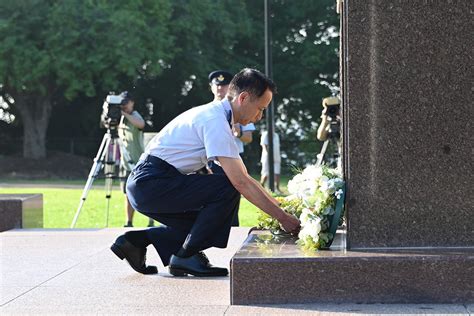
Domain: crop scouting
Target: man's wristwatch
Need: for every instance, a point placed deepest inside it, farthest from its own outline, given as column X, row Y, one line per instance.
column 238, row 132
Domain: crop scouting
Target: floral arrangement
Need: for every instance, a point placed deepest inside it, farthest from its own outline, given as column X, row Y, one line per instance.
column 314, row 193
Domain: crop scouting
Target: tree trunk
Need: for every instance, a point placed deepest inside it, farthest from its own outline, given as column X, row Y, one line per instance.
column 35, row 111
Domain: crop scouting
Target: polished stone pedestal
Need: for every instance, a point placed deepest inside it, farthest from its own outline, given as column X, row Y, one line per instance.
column 276, row 271
column 21, row 211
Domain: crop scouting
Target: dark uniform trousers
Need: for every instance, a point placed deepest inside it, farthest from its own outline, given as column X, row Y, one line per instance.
column 195, row 210
column 216, row 169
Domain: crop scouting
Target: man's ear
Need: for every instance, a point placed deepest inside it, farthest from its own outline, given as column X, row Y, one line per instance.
column 242, row 96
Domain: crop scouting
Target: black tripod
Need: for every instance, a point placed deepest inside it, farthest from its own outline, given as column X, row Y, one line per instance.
column 106, row 158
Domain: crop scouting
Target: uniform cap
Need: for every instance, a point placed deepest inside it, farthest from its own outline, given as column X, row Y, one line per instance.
column 220, row 77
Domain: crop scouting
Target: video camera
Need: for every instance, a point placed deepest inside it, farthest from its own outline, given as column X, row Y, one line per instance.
column 112, row 109
column 333, row 108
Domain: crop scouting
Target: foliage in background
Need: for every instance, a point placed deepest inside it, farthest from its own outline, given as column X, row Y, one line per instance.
column 305, row 68
column 55, row 49
column 163, row 51
column 206, row 34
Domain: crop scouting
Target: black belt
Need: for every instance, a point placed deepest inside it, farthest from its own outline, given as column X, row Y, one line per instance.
column 158, row 164
column 155, row 160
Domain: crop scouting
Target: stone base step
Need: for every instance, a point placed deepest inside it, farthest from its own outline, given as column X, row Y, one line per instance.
column 268, row 270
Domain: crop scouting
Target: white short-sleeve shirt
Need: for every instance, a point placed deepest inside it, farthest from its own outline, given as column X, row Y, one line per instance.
column 244, row 128
column 196, row 136
column 276, row 147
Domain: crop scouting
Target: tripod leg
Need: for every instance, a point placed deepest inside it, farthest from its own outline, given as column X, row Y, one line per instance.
column 98, row 163
column 321, row 154
column 110, row 175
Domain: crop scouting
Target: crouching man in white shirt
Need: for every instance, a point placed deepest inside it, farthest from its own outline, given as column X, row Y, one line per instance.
column 196, row 210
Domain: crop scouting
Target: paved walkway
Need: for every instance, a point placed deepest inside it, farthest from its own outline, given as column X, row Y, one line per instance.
column 74, row 272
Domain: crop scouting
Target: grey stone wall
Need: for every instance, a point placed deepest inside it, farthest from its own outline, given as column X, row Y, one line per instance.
column 408, row 111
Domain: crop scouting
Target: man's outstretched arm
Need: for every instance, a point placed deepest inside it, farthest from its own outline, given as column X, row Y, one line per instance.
column 254, row 192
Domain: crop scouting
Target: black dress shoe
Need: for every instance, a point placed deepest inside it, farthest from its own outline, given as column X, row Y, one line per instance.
column 197, row 265
column 135, row 256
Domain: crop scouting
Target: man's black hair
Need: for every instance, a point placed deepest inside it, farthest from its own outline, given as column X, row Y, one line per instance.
column 251, row 81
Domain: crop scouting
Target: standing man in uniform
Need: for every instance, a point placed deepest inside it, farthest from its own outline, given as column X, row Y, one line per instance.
column 131, row 134
column 196, row 210
column 219, row 82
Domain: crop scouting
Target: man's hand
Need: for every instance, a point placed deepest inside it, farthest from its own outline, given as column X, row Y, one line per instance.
column 236, row 130
column 291, row 224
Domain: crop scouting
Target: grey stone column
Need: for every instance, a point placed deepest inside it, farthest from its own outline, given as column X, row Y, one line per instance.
column 408, row 110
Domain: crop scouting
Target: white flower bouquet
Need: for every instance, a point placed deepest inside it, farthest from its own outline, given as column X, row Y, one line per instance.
column 316, row 197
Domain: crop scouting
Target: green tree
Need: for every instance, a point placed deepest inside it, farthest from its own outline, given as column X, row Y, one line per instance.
column 164, row 51
column 305, row 43
column 53, row 47
column 206, row 34
column 229, row 34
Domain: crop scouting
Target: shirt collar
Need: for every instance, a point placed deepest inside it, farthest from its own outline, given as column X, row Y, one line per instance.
column 228, row 111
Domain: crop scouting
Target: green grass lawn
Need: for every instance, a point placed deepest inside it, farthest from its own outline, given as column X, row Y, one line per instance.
column 60, row 204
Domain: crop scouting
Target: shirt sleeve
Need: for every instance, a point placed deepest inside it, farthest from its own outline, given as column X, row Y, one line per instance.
column 248, row 127
column 137, row 115
column 218, row 139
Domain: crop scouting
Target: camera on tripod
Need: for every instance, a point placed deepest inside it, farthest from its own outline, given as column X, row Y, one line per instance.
column 329, row 131
column 109, row 149
column 333, row 108
column 112, row 109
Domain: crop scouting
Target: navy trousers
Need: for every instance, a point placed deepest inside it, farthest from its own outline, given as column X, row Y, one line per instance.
column 195, row 210
column 216, row 169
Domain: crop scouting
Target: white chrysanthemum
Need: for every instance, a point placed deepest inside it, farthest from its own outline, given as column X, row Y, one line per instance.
column 313, row 228
column 305, row 215
column 312, row 185
column 312, row 173
column 328, row 187
column 303, row 233
column 294, row 185
column 307, row 189
column 316, row 188
column 323, row 183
